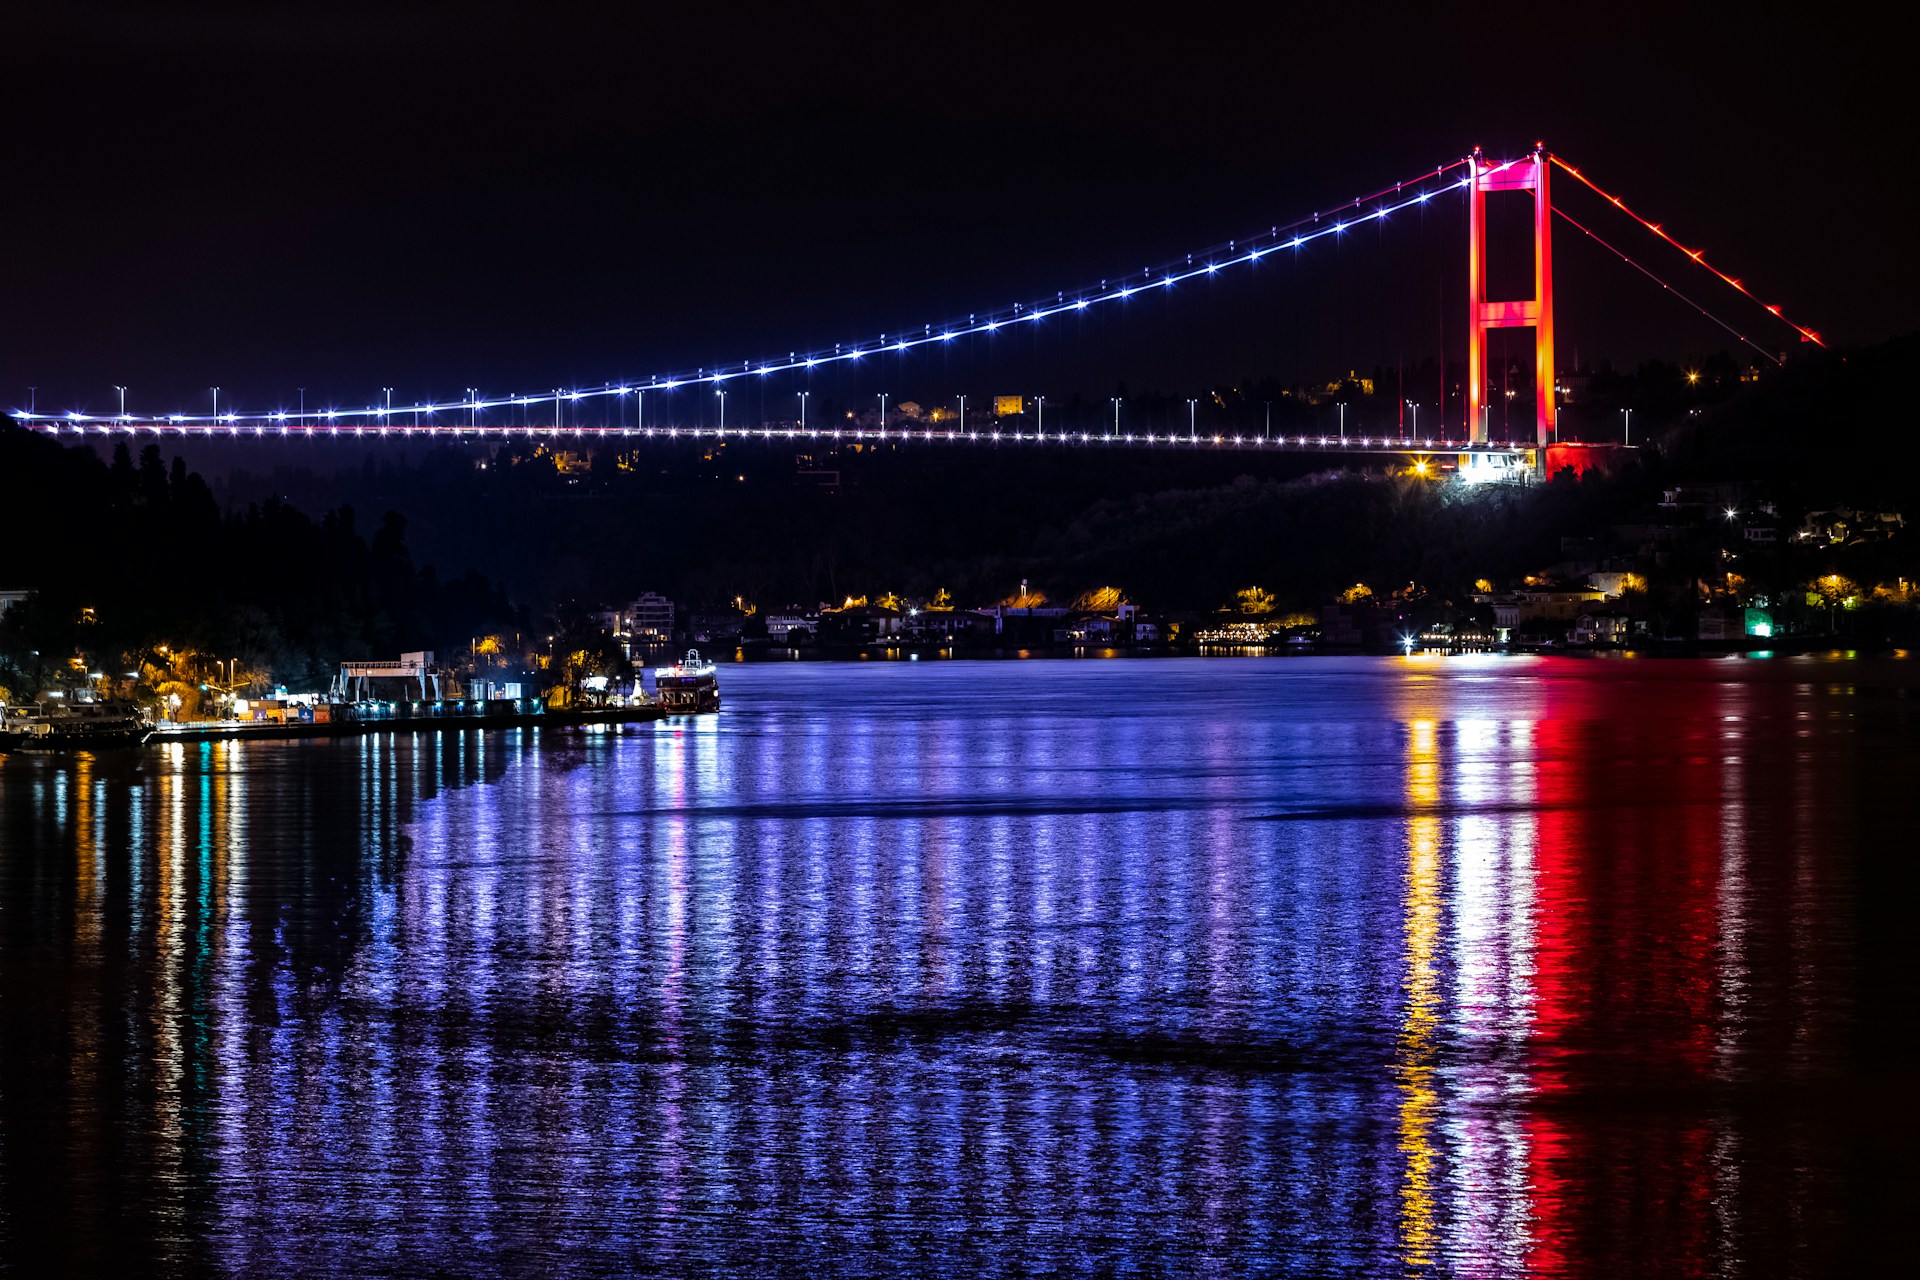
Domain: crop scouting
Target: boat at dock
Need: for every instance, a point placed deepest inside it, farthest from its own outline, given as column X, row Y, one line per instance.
column 60, row 725
column 687, row 686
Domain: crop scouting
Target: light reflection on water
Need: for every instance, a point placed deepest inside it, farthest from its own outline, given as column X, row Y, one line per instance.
column 1368, row 968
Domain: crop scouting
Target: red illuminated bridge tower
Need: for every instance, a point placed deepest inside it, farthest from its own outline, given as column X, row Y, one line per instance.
column 1537, row 312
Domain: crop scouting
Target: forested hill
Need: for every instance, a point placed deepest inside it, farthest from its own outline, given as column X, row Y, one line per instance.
column 128, row 555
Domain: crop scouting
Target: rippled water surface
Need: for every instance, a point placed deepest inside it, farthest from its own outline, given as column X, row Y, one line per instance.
column 1295, row 967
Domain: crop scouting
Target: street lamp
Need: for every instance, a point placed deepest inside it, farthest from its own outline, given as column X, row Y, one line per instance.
column 386, row 413
column 1116, row 414
column 1192, row 430
column 473, row 407
column 1416, row 418
column 216, row 402
column 123, row 402
column 963, row 415
column 883, row 415
column 723, row 409
column 803, row 409
column 1627, row 416
column 1041, row 421
column 1343, row 422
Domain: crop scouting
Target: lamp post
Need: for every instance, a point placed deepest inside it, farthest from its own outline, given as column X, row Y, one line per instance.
column 723, row 409
column 1414, row 405
column 803, row 409
column 963, row 415
column 1116, row 414
column 1626, row 416
column 123, row 402
column 883, row 415
column 1343, row 422
column 386, row 411
column 1193, row 431
column 1040, row 422
column 473, row 407
column 216, row 403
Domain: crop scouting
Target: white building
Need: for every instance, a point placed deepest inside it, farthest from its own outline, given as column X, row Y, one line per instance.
column 650, row 618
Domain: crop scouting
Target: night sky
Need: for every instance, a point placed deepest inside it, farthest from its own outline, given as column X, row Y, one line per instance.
column 346, row 197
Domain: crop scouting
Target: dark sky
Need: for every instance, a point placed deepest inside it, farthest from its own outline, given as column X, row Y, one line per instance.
column 345, row 197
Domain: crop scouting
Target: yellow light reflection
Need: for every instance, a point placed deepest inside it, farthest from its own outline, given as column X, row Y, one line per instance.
column 1419, row 1102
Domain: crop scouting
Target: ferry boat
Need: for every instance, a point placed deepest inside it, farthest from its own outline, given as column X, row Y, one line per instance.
column 59, row 725
column 690, row 685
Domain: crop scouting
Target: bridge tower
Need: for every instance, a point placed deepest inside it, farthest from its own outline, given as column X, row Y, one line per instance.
column 1535, row 313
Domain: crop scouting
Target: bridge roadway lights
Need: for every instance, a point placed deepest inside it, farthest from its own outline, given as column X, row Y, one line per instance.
column 261, row 430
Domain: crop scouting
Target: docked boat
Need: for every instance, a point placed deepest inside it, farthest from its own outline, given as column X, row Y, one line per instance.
column 61, row 725
column 690, row 685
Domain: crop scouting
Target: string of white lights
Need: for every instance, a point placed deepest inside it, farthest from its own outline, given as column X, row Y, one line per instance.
column 1280, row 237
column 847, row 435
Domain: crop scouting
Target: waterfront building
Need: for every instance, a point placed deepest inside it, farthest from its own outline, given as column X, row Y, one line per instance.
column 790, row 628
column 1601, row 628
column 650, row 618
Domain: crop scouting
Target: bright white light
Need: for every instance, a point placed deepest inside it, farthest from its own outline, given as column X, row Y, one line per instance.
column 1080, row 305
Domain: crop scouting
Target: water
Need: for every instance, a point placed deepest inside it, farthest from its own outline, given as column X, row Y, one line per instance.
column 1291, row 967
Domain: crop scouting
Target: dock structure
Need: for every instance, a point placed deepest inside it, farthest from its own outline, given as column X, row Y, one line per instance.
column 361, row 681
column 411, row 717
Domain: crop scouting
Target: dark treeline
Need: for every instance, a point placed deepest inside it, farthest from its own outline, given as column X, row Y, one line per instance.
column 571, row 521
column 130, row 555
column 782, row 523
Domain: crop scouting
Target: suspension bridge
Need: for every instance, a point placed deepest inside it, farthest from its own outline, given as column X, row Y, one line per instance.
column 477, row 417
